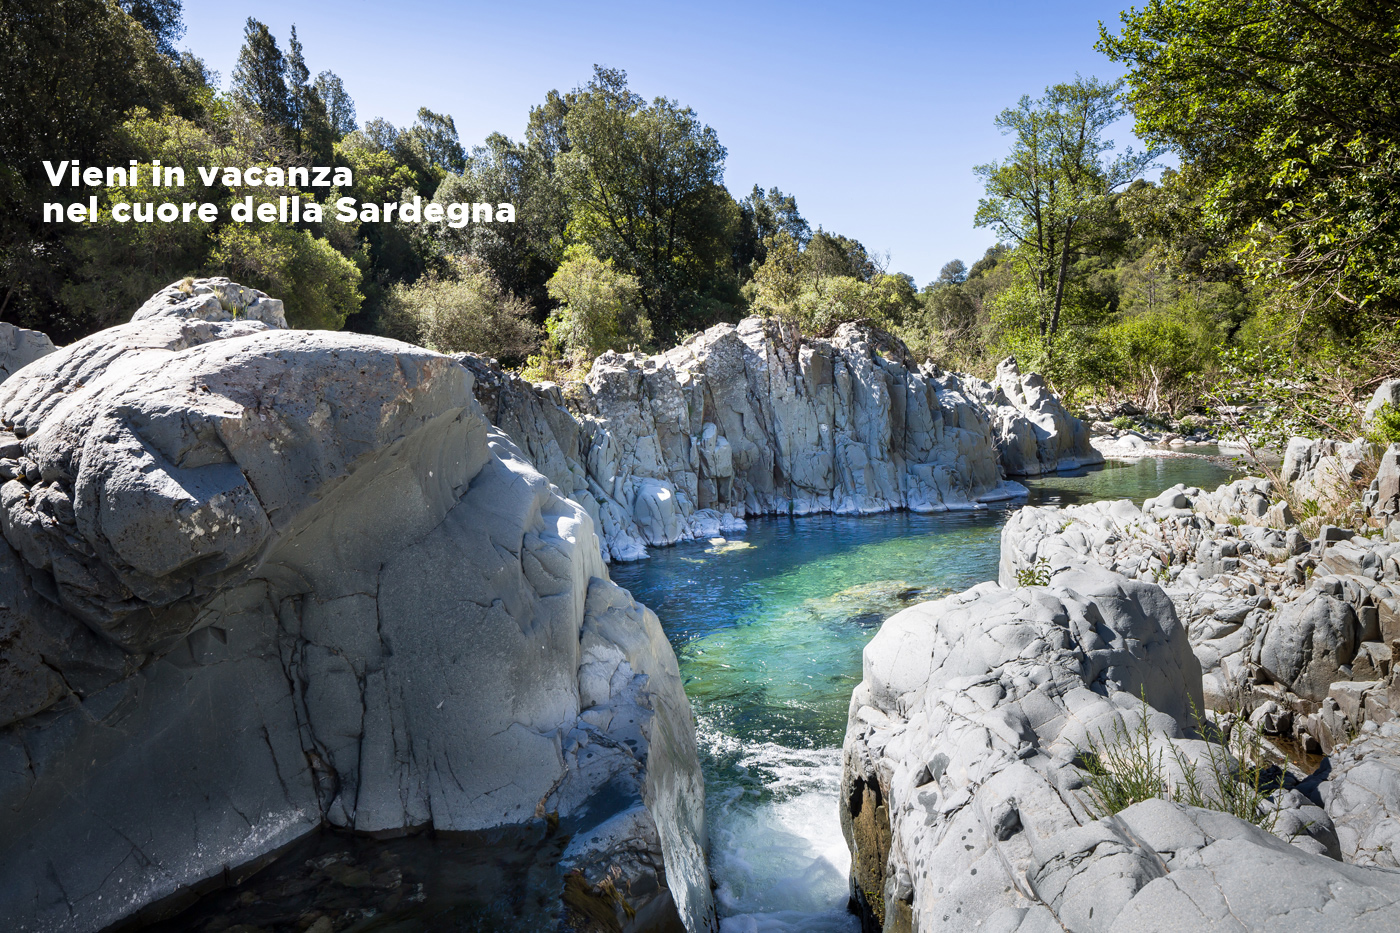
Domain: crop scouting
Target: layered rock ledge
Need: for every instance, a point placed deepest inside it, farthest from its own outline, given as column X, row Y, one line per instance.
column 752, row 419
column 257, row 580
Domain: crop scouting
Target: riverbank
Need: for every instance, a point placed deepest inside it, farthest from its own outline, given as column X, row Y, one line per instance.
column 970, row 789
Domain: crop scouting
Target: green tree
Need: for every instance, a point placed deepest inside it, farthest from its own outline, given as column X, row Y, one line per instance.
column 463, row 309
column 71, row 72
column 1287, row 119
column 1052, row 193
column 340, row 108
column 318, row 285
column 260, row 79
column 953, row 272
column 434, row 136
column 828, row 255
column 761, row 217
column 523, row 254
column 163, row 19
column 644, row 183
column 599, row 307
column 309, row 122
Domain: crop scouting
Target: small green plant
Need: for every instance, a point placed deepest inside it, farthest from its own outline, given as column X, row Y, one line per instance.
column 1124, row 770
column 1127, row 768
column 1241, row 791
column 1037, row 574
column 1236, row 520
column 1161, row 575
column 1385, row 426
column 1309, row 508
column 1122, row 423
column 1188, row 425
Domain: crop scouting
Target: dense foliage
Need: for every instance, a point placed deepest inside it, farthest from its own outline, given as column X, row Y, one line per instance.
column 1262, row 265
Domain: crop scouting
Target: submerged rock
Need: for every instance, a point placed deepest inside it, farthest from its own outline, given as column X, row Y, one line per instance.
column 256, row 580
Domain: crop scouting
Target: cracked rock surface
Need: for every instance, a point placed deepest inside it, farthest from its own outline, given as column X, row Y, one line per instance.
column 964, row 808
column 256, row 580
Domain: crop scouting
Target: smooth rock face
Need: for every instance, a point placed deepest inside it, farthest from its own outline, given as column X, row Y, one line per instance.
column 750, row 420
column 964, row 809
column 20, row 347
column 256, row 579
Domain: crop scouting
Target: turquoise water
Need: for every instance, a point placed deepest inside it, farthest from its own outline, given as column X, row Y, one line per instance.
column 769, row 630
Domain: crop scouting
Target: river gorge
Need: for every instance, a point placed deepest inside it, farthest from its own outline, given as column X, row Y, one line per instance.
column 769, row 629
column 309, row 632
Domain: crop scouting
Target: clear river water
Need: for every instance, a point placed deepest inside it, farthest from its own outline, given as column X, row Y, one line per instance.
column 769, row 630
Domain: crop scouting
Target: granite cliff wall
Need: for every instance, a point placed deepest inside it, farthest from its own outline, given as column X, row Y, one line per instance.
column 750, row 419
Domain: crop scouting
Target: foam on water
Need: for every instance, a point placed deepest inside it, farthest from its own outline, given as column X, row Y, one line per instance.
column 775, row 837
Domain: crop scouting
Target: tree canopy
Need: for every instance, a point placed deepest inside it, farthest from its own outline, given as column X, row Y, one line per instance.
column 1286, row 116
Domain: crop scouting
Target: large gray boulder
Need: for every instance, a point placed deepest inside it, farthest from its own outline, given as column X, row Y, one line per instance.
column 20, row 347
column 259, row 580
column 1308, row 642
column 1362, row 796
column 965, row 809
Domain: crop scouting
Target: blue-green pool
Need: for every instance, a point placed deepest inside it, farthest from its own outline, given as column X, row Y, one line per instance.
column 769, row 629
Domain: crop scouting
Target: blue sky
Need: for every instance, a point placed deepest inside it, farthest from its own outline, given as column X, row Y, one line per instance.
column 872, row 114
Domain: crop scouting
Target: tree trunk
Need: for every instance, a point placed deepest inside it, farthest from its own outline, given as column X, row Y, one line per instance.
column 1059, row 288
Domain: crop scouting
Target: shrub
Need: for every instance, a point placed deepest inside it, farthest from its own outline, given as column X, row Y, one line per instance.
column 1128, row 769
column 599, row 309
column 1122, row 422
column 1038, row 574
column 1385, row 426
column 464, row 310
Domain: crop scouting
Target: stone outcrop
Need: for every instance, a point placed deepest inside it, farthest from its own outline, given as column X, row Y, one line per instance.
column 964, row 797
column 1387, row 393
column 1362, row 795
column 258, row 580
column 1035, row 434
column 1309, row 626
column 1324, row 471
column 752, row 420
column 20, row 347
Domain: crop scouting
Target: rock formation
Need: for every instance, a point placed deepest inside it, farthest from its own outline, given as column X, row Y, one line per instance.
column 20, row 347
column 257, row 580
column 1034, row 433
column 1309, row 626
column 964, row 785
column 753, row 420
